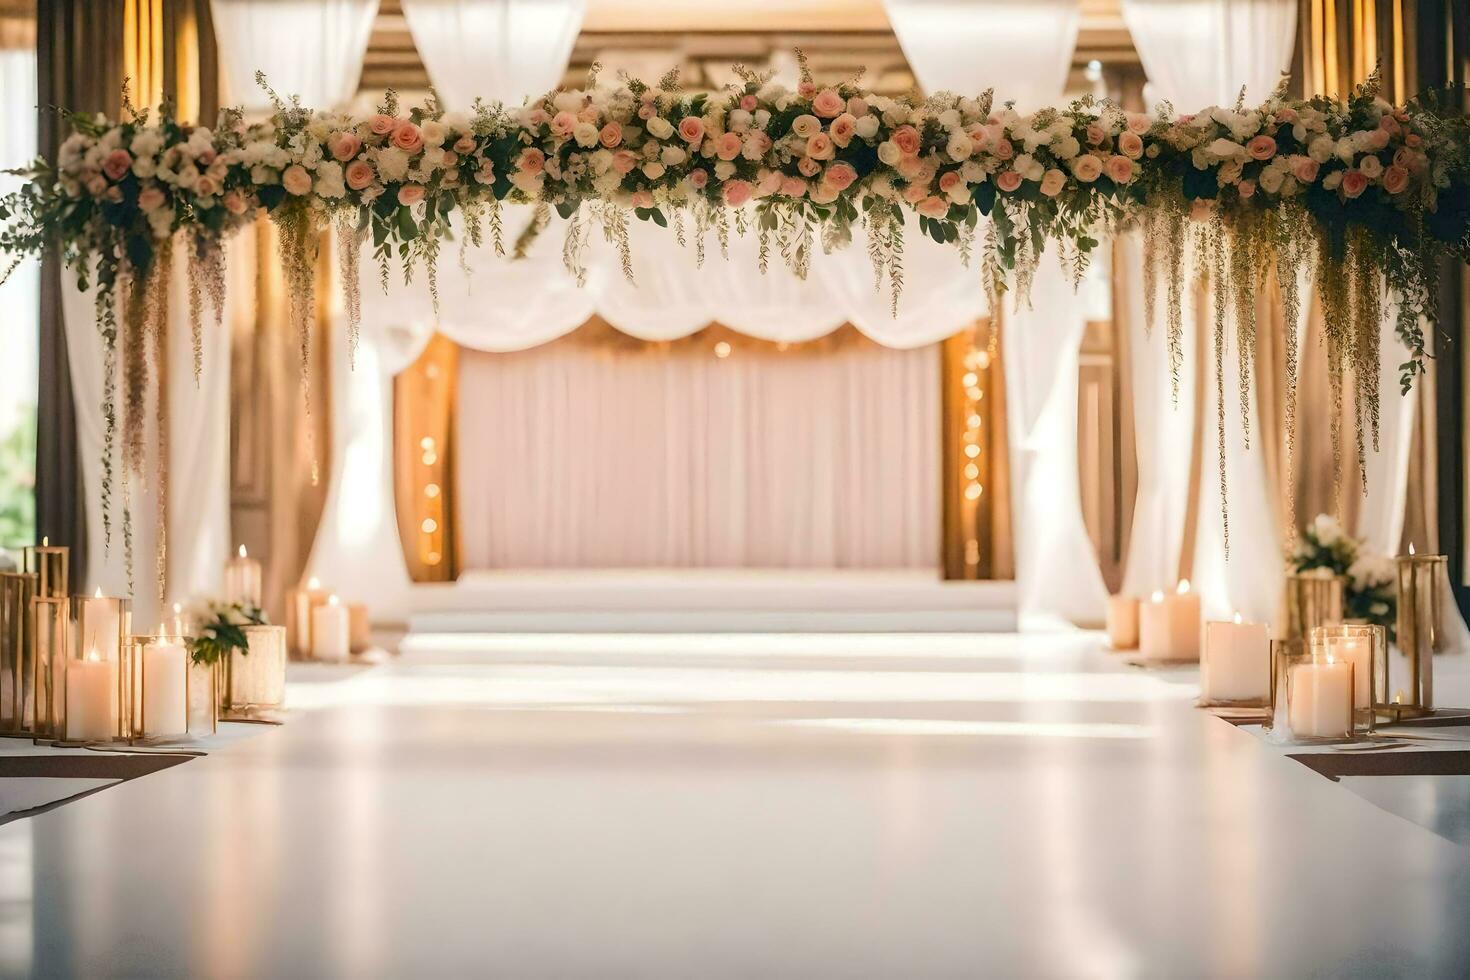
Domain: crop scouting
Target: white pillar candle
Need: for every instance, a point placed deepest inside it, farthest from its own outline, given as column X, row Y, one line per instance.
column 100, row 622
column 299, row 606
column 90, row 685
column 331, row 632
column 1122, row 622
column 165, row 667
column 1169, row 625
column 1358, row 651
column 242, row 579
column 1235, row 664
column 1321, row 700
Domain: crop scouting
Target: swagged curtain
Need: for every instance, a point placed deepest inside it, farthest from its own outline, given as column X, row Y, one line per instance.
column 1197, row 53
column 1025, row 51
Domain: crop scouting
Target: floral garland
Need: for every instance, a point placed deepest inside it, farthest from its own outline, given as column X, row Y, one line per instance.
column 1362, row 191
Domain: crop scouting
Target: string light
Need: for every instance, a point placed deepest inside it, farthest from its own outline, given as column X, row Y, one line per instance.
column 722, row 349
column 976, row 362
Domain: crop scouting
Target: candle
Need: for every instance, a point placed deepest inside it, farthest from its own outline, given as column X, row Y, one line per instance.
column 102, row 626
column 1235, row 665
column 1358, row 651
column 1122, row 622
column 360, row 634
column 90, row 684
column 1169, row 625
column 165, row 666
column 178, row 624
column 1320, row 702
column 299, row 606
column 242, row 579
column 330, row 631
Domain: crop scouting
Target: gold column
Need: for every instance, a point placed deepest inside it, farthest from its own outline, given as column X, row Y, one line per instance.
column 976, row 475
column 424, row 401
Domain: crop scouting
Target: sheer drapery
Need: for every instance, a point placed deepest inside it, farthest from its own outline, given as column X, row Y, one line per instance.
column 497, row 50
column 1025, row 51
column 309, row 48
column 577, row 457
column 1200, row 53
column 20, row 294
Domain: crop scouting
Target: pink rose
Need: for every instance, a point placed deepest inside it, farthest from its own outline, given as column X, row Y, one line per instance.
column 1130, row 145
column 840, row 176
column 1304, row 169
column 531, row 161
column 536, row 116
column 737, row 192
column 114, row 194
column 768, row 183
column 1390, row 125
column 1287, row 117
column 1261, row 147
column 647, row 111
column 748, row 103
column 296, row 180
column 96, row 185
column 1120, row 168
column 1095, row 133
column 344, row 145
column 1401, row 158
column 1054, row 180
column 758, row 140
column 819, row 147
column 117, row 164
column 151, row 199
column 359, row 174
column 563, row 123
column 205, row 158
column 465, row 145
column 1378, row 139
column 728, row 146
column 587, row 113
column 1246, row 188
column 808, row 166
column 906, row 138
column 793, row 187
column 1087, row 168
column 691, row 129
column 914, row 193
column 828, row 103
column 934, row 207
column 410, row 194
column 1008, row 180
column 1412, row 140
column 1003, row 149
column 949, row 180
column 643, row 199
column 1395, row 179
column 234, row 202
column 857, row 105
column 1354, row 182
column 382, row 125
column 610, row 135
column 843, row 128
column 408, row 138
column 806, row 90
column 1139, row 123
column 624, row 161
column 698, row 178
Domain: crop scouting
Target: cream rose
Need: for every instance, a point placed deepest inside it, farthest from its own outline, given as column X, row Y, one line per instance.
column 828, row 104
column 1120, row 168
column 1087, row 168
column 1008, row 180
column 296, row 179
column 410, row 194
column 1130, row 145
column 660, row 128
column 889, row 153
column 1054, row 180
column 806, row 126
column 1395, row 179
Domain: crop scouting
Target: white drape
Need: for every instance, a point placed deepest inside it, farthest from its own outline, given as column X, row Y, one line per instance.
column 309, row 48
column 1025, row 52
column 498, row 50
column 20, row 295
column 576, row 457
column 1380, row 521
column 1200, row 53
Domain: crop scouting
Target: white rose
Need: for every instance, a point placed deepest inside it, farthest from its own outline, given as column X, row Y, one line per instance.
column 145, row 167
column 654, row 170
column 949, row 119
column 1067, row 147
column 585, row 134
column 672, row 156
column 959, row 146
column 392, row 164
column 1271, row 180
column 433, row 132
column 1371, row 166
column 889, row 153
column 867, row 127
column 725, row 169
column 660, row 128
column 1322, row 148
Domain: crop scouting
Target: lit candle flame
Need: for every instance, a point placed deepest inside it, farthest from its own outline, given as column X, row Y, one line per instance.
column 333, row 600
column 1156, row 597
column 45, row 541
column 1239, row 618
column 98, row 593
column 1183, row 586
column 94, row 656
column 313, row 583
column 178, row 608
column 242, row 551
column 1411, row 549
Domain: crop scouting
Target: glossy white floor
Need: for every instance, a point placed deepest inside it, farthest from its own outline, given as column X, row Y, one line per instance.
column 736, row 806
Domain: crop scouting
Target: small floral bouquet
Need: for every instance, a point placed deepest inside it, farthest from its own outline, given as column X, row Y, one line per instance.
column 1371, row 597
column 221, row 631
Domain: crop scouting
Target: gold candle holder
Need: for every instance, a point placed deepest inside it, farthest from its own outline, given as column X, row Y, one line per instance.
column 158, row 689
column 50, row 622
column 95, row 701
column 1365, row 646
column 1312, row 600
column 1313, row 698
column 51, row 564
column 17, row 653
column 1422, row 606
column 254, row 682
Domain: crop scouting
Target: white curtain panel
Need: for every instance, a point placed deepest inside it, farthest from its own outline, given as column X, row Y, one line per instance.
column 20, row 295
column 1380, row 521
column 498, row 50
column 1024, row 51
column 1199, row 53
column 574, row 457
column 310, row 48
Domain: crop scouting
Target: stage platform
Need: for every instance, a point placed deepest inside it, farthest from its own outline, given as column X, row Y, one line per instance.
column 711, row 600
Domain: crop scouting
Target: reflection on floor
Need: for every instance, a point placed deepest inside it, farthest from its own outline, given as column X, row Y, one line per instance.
column 735, row 806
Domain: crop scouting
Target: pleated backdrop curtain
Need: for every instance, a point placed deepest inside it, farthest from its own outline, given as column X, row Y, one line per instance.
column 1025, row 52
column 310, row 48
column 577, row 456
column 1199, row 53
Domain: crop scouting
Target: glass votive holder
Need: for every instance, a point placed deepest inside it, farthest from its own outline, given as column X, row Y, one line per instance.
column 1314, row 698
column 1365, row 646
column 204, row 698
column 93, row 676
column 158, row 689
column 50, row 623
column 1235, row 665
column 1313, row 599
column 255, row 678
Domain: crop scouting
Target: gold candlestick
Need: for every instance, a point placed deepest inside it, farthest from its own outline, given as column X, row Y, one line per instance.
column 17, row 652
column 51, row 565
column 1312, row 600
column 1420, row 631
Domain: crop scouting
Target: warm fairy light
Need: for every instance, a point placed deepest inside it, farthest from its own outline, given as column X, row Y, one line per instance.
column 332, row 600
column 973, row 491
column 178, row 608
column 722, row 349
column 431, row 490
column 970, row 380
column 1183, row 586
column 242, row 551
column 972, row 450
column 427, row 442
column 313, row 583
column 430, row 525
column 1156, row 597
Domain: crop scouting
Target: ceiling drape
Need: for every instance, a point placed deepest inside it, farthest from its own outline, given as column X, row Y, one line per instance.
column 1025, row 52
column 309, row 48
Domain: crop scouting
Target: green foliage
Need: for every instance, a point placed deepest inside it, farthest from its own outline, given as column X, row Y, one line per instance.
column 223, row 632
